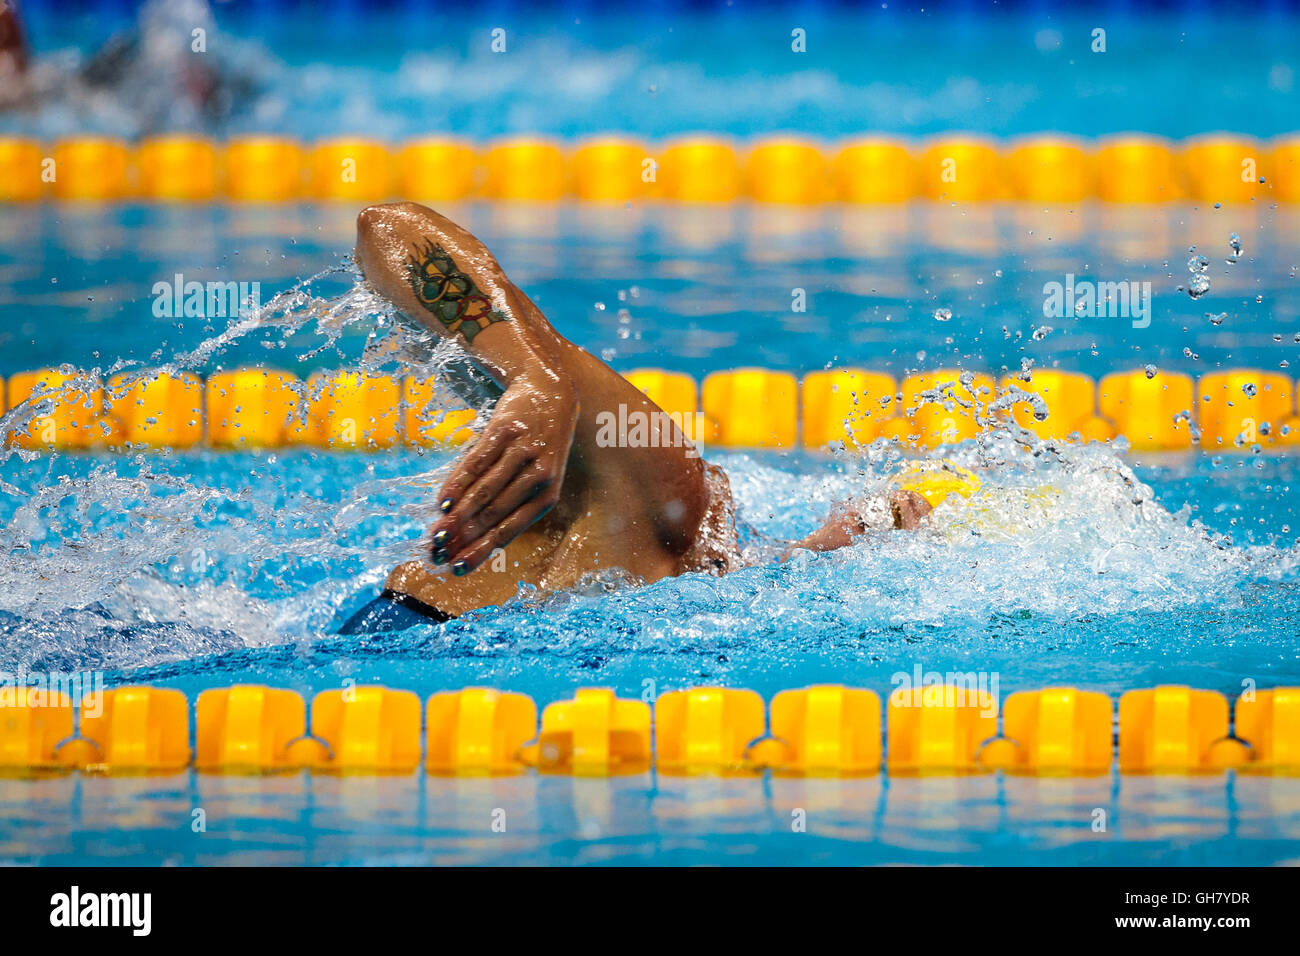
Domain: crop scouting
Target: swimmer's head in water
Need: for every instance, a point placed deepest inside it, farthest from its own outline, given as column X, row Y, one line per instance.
column 937, row 480
column 448, row 293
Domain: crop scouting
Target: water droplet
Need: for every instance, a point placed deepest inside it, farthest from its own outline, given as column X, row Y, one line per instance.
column 1150, row 370
column 942, row 314
column 1234, row 242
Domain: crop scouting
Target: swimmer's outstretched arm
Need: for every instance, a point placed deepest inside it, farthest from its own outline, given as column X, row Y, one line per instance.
column 443, row 277
column 848, row 523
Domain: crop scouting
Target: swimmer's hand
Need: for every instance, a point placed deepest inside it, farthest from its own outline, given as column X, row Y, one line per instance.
column 908, row 508
column 849, row 522
column 509, row 477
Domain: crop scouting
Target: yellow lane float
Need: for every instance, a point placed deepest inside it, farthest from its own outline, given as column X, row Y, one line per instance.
column 21, row 163
column 1071, row 400
column 875, row 171
column 593, row 735
column 365, row 729
column 826, row 730
column 33, row 722
column 844, row 405
column 787, row 171
column 74, row 408
column 478, row 731
column 961, row 169
column 355, row 170
column 1058, row 730
column 751, row 408
column 1285, row 164
column 132, row 729
column 700, row 170
column 613, row 170
column 1150, row 410
column 178, row 169
column 159, row 411
column 526, row 169
column 939, row 727
column 1041, row 168
column 1175, row 729
column 424, row 419
column 434, row 170
column 264, row 169
column 91, row 168
column 352, row 410
column 247, row 728
column 741, row 408
column 1137, row 169
column 1269, row 721
column 1242, row 408
column 1226, row 169
column 706, row 730
column 1050, row 170
column 253, row 408
column 939, row 408
column 676, row 394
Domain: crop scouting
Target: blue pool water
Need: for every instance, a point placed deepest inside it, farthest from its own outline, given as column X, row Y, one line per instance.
column 408, row 68
column 421, row 820
column 696, row 289
column 195, row 569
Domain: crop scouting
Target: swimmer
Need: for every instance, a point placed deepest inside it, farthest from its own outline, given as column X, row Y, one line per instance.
column 541, row 480
column 141, row 76
column 13, row 55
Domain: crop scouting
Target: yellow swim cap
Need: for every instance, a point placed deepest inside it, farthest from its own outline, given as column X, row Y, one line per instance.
column 936, row 480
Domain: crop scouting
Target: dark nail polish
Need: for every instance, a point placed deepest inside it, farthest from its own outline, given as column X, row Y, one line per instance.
column 445, row 506
column 440, row 538
column 439, row 555
column 459, row 569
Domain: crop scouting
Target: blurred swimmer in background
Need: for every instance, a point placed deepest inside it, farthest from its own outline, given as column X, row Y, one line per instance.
column 145, row 79
column 13, row 55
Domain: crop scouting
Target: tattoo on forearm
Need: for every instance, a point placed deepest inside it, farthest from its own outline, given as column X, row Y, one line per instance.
column 448, row 293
